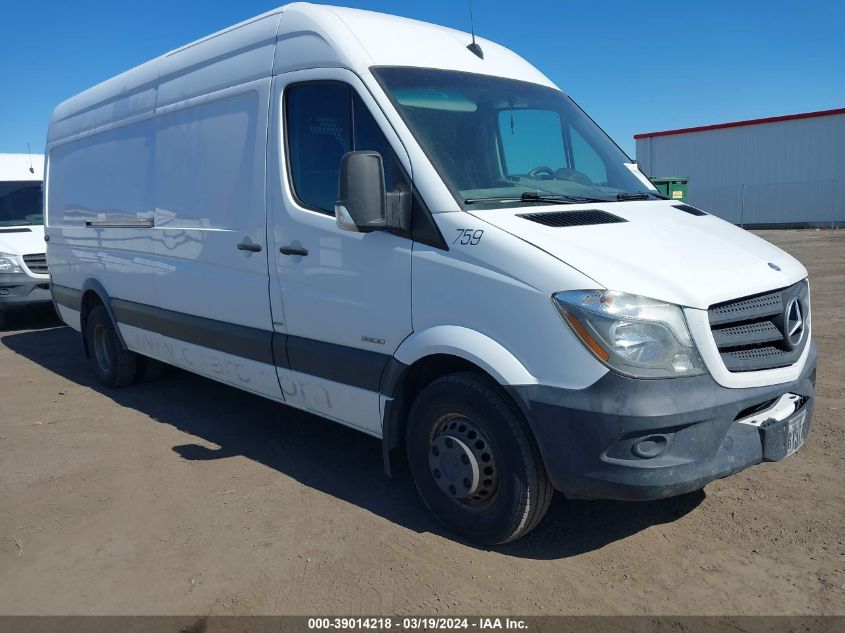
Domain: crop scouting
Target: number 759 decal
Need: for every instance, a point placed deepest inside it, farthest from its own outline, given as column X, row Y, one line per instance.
column 469, row 237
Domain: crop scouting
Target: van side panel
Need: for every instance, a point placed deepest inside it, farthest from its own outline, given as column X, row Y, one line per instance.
column 104, row 177
column 209, row 197
column 191, row 177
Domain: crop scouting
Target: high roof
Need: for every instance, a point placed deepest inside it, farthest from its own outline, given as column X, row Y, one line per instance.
column 294, row 36
column 720, row 126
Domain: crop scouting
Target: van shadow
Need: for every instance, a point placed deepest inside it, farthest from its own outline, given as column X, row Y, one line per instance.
column 37, row 317
column 326, row 456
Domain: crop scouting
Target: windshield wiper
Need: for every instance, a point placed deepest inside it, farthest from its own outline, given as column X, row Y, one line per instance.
column 559, row 197
column 531, row 196
column 640, row 195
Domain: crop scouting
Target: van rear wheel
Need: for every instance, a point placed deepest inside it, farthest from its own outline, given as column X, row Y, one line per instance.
column 473, row 462
column 114, row 365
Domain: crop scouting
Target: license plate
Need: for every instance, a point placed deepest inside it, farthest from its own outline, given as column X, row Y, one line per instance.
column 796, row 432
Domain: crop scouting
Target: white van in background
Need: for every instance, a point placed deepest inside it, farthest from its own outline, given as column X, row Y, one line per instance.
column 375, row 220
column 24, row 280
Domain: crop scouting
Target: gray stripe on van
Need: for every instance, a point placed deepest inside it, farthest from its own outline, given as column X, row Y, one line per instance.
column 349, row 365
column 68, row 297
column 247, row 342
column 339, row 363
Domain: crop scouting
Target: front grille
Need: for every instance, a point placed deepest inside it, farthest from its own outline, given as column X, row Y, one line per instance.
column 36, row 262
column 753, row 333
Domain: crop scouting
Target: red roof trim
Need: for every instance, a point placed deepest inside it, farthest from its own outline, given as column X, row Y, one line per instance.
column 719, row 126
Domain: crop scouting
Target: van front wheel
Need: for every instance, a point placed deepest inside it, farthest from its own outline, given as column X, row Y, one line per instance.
column 114, row 365
column 473, row 462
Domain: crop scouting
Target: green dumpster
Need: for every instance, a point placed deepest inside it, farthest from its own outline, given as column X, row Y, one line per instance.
column 675, row 188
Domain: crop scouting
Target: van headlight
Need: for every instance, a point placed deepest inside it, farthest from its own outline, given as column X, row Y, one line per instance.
column 9, row 264
column 632, row 335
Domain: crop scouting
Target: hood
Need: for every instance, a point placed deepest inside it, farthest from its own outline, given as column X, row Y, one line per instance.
column 14, row 240
column 659, row 251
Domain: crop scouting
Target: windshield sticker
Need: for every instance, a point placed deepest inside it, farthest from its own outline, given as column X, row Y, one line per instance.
column 640, row 175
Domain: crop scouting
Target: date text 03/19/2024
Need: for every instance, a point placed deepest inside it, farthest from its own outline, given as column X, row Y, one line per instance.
column 416, row 623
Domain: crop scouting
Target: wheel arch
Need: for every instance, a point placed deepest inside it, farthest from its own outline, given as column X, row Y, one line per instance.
column 94, row 294
column 469, row 345
column 442, row 350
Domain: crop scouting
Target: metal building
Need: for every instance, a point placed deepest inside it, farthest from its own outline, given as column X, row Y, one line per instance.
column 785, row 170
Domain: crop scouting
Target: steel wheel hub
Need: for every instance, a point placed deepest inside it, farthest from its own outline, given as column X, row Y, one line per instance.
column 101, row 351
column 461, row 461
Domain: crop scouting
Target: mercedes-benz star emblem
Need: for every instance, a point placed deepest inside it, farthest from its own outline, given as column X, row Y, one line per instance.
column 793, row 323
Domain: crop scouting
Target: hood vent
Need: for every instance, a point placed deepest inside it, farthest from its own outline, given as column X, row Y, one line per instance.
column 572, row 218
column 23, row 230
column 688, row 209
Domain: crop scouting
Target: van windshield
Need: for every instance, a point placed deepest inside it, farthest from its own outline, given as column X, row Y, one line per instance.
column 502, row 142
column 21, row 203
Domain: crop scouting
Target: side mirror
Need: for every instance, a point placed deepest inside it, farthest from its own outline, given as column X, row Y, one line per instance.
column 363, row 205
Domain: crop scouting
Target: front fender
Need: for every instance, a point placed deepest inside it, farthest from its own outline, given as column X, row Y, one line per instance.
column 470, row 345
column 452, row 340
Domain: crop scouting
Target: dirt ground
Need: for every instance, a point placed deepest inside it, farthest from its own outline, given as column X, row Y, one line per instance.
column 184, row 496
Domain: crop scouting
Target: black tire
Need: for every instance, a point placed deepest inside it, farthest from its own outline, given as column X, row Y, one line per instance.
column 462, row 430
column 149, row 369
column 114, row 365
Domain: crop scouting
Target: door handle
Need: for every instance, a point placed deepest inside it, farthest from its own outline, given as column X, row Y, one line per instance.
column 249, row 246
column 293, row 250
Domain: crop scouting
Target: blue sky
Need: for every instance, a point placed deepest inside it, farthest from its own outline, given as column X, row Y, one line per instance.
column 633, row 66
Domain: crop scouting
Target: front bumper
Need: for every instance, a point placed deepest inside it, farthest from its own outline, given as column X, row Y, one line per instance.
column 21, row 290
column 596, row 442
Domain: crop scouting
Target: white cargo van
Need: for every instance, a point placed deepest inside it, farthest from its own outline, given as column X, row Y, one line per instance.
column 361, row 216
column 24, row 280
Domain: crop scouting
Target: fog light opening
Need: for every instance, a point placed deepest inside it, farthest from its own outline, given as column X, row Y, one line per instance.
column 651, row 446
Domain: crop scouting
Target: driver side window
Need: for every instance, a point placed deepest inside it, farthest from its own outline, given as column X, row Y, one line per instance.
column 531, row 139
column 324, row 120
